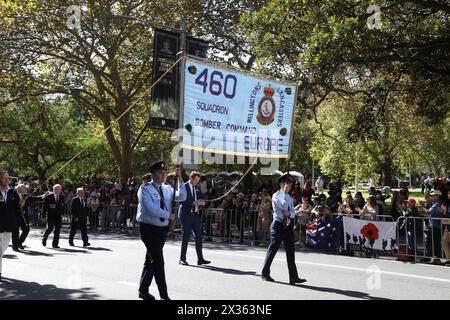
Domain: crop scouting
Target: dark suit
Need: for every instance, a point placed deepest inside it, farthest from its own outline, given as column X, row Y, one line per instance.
column 9, row 211
column 191, row 221
column 23, row 223
column 53, row 211
column 79, row 214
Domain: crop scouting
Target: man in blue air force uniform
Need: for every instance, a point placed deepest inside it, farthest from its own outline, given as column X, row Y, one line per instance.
column 191, row 219
column 281, row 229
column 153, row 214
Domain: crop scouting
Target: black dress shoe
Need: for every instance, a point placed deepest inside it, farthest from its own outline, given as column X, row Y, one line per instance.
column 184, row 262
column 56, row 247
column 21, row 247
column 200, row 262
column 16, row 249
column 71, row 244
column 44, row 242
column 298, row 280
column 267, row 278
column 146, row 296
column 87, row 244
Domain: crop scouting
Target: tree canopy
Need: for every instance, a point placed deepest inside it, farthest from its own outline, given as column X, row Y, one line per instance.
column 381, row 81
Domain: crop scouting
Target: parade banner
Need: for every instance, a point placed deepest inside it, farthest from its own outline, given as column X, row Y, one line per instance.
column 164, row 110
column 366, row 235
column 228, row 111
column 164, row 107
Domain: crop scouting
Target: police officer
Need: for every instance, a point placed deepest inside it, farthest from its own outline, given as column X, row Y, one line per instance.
column 53, row 209
column 153, row 214
column 281, row 230
column 9, row 213
column 79, row 211
column 191, row 219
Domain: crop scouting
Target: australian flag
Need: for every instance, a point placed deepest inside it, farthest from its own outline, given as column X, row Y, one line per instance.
column 324, row 235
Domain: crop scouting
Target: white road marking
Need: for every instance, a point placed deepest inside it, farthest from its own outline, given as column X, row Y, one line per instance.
column 132, row 284
column 333, row 266
column 136, row 285
column 16, row 264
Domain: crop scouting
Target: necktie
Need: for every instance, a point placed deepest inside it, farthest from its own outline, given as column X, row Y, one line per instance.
column 288, row 217
column 82, row 202
column 195, row 198
column 161, row 201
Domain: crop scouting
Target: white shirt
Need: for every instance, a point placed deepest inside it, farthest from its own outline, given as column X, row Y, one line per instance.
column 282, row 201
column 319, row 183
column 149, row 210
column 194, row 194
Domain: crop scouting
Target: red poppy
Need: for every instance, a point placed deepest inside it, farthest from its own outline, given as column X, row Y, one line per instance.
column 370, row 231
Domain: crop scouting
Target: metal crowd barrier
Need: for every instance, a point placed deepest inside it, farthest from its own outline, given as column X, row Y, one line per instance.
column 34, row 210
column 249, row 227
column 119, row 218
column 419, row 240
column 379, row 217
column 114, row 218
column 415, row 241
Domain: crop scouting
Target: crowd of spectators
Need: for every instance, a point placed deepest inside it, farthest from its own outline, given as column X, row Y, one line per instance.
column 113, row 205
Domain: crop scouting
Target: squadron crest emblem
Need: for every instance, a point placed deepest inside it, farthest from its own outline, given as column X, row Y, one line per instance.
column 266, row 107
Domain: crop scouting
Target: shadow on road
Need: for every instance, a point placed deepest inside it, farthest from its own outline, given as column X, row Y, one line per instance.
column 93, row 235
column 36, row 253
column 98, row 249
column 17, row 289
column 70, row 250
column 348, row 293
column 226, row 270
column 10, row 256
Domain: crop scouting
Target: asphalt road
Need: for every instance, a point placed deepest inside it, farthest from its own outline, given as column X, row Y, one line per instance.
column 111, row 267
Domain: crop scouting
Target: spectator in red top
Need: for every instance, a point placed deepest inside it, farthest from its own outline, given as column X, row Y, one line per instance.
column 308, row 191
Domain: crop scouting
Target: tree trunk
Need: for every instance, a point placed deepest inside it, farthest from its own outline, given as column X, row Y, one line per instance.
column 126, row 163
column 41, row 176
column 123, row 153
column 386, row 169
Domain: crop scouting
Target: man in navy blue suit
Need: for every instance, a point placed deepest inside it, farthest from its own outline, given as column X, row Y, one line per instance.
column 191, row 219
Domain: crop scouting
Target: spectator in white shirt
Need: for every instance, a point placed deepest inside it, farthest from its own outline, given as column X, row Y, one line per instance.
column 319, row 185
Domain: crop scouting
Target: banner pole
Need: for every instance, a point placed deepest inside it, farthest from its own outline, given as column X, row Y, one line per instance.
column 177, row 184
